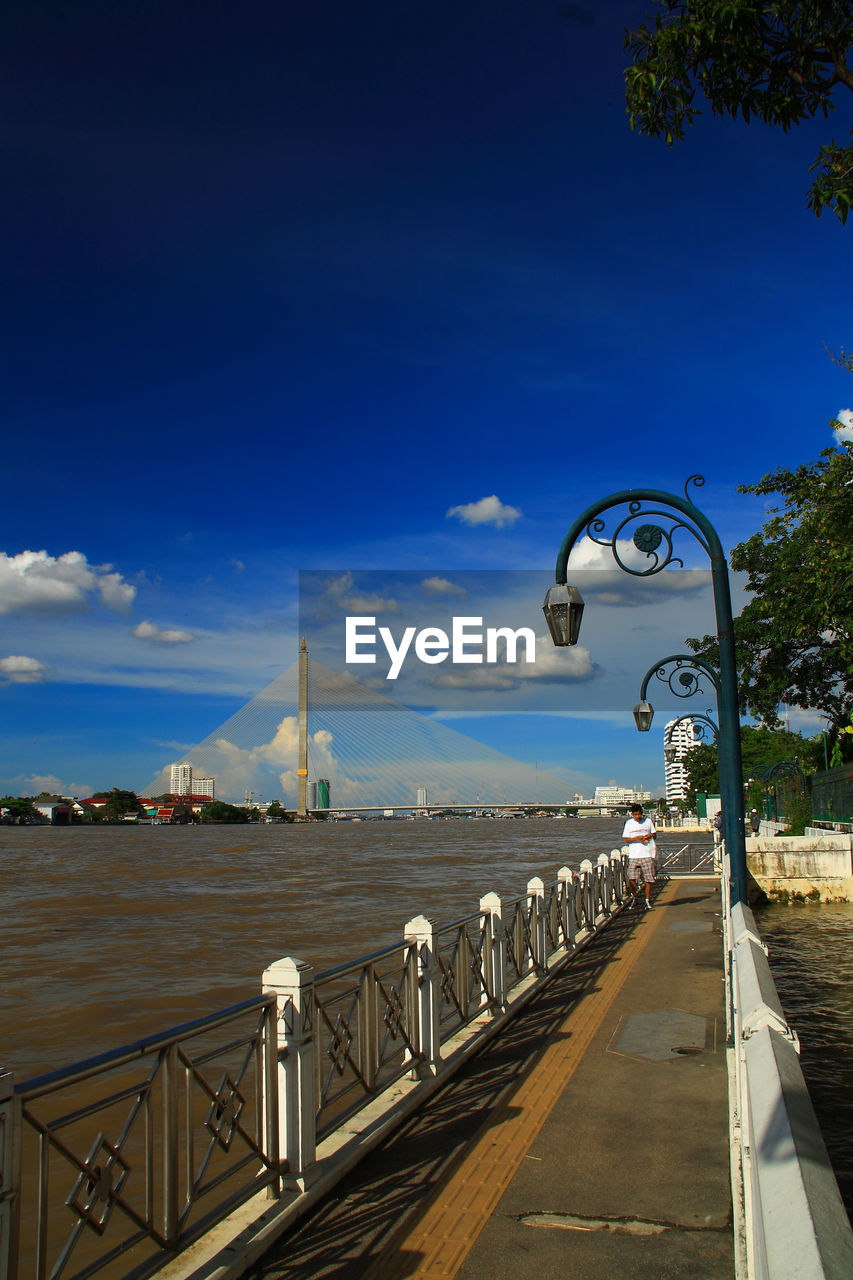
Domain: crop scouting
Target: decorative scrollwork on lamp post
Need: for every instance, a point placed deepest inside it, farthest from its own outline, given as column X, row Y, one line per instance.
column 683, row 680
column 652, row 530
column 699, row 723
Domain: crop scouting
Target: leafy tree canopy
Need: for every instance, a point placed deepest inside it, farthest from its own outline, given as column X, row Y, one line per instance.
column 219, row 811
column 20, row 807
column 760, row 749
column 119, row 803
column 794, row 637
column 778, row 62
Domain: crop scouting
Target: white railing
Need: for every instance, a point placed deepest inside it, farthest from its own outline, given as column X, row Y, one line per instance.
column 236, row 1123
column 790, row 1222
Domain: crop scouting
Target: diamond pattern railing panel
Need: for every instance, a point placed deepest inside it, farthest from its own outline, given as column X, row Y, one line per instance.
column 96, row 1139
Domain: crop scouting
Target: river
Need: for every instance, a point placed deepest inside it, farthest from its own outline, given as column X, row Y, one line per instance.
column 811, row 958
column 110, row 933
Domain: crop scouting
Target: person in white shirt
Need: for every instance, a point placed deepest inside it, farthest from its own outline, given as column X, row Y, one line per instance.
column 639, row 833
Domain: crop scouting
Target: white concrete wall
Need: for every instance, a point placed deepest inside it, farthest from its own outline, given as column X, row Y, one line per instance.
column 812, row 868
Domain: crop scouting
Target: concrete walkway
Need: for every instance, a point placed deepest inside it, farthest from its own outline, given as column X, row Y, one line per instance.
column 589, row 1141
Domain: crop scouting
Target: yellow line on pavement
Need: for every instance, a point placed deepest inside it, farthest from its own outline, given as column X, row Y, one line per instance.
column 435, row 1246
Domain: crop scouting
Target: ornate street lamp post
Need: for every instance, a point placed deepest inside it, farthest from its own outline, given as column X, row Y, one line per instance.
column 698, row 731
column 689, row 669
column 563, row 609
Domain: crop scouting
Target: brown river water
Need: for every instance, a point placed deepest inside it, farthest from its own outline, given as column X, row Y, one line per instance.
column 108, row 934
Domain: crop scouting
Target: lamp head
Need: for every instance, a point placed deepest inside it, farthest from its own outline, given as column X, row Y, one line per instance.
column 563, row 609
column 643, row 716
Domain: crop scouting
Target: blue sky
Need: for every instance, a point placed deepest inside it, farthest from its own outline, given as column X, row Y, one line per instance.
column 295, row 287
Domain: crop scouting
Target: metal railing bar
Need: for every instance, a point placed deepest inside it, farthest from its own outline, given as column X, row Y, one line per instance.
column 350, row 966
column 92, row 1108
column 219, row 1051
column 53, row 1080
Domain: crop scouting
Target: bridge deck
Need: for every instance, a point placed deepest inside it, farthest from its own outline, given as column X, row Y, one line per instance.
column 590, row 1140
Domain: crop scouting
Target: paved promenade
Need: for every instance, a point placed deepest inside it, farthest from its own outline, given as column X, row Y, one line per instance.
column 589, row 1141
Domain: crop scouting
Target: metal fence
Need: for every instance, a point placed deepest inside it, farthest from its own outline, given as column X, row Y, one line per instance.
column 116, row 1165
column 131, row 1156
column 689, row 859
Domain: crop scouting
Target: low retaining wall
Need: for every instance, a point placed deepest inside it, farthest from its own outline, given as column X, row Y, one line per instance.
column 790, row 1222
column 811, row 868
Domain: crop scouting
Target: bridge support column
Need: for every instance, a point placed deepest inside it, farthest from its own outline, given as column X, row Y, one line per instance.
column 292, row 982
column 420, row 933
column 494, row 952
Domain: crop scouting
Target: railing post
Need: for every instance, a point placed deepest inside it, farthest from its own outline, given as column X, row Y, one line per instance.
column 292, row 983
column 617, row 871
column 536, row 916
column 10, row 1175
column 420, row 933
column 171, row 1072
column 368, row 1027
column 268, row 1071
column 606, row 895
column 568, row 924
column 494, row 951
column 587, row 890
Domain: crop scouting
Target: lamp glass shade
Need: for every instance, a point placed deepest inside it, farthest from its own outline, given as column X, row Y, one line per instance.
column 643, row 716
column 670, row 754
column 563, row 609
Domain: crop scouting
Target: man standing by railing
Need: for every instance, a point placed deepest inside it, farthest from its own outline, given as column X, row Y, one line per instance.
column 639, row 833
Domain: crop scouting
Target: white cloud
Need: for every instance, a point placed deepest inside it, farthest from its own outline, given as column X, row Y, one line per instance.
column 487, row 511
column 19, row 670
column 36, row 783
column 148, row 631
column 34, row 582
column 845, row 431
column 552, row 666
column 341, row 592
column 442, row 587
column 272, row 764
column 116, row 594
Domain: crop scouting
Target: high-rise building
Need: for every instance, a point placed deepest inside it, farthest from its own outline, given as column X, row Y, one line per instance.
column 613, row 797
column 181, row 783
column 422, row 797
column 204, row 787
column 678, row 738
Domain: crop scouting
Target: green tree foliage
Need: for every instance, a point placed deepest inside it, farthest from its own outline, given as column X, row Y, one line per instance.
column 760, row 749
column 798, row 815
column 20, row 808
column 119, row 803
column 219, row 811
column 794, row 637
column 778, row 62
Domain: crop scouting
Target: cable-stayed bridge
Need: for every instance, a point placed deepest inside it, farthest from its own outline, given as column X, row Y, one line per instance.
column 374, row 752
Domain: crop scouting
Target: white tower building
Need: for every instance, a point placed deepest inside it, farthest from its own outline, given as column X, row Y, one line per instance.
column 181, row 783
column 681, row 737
